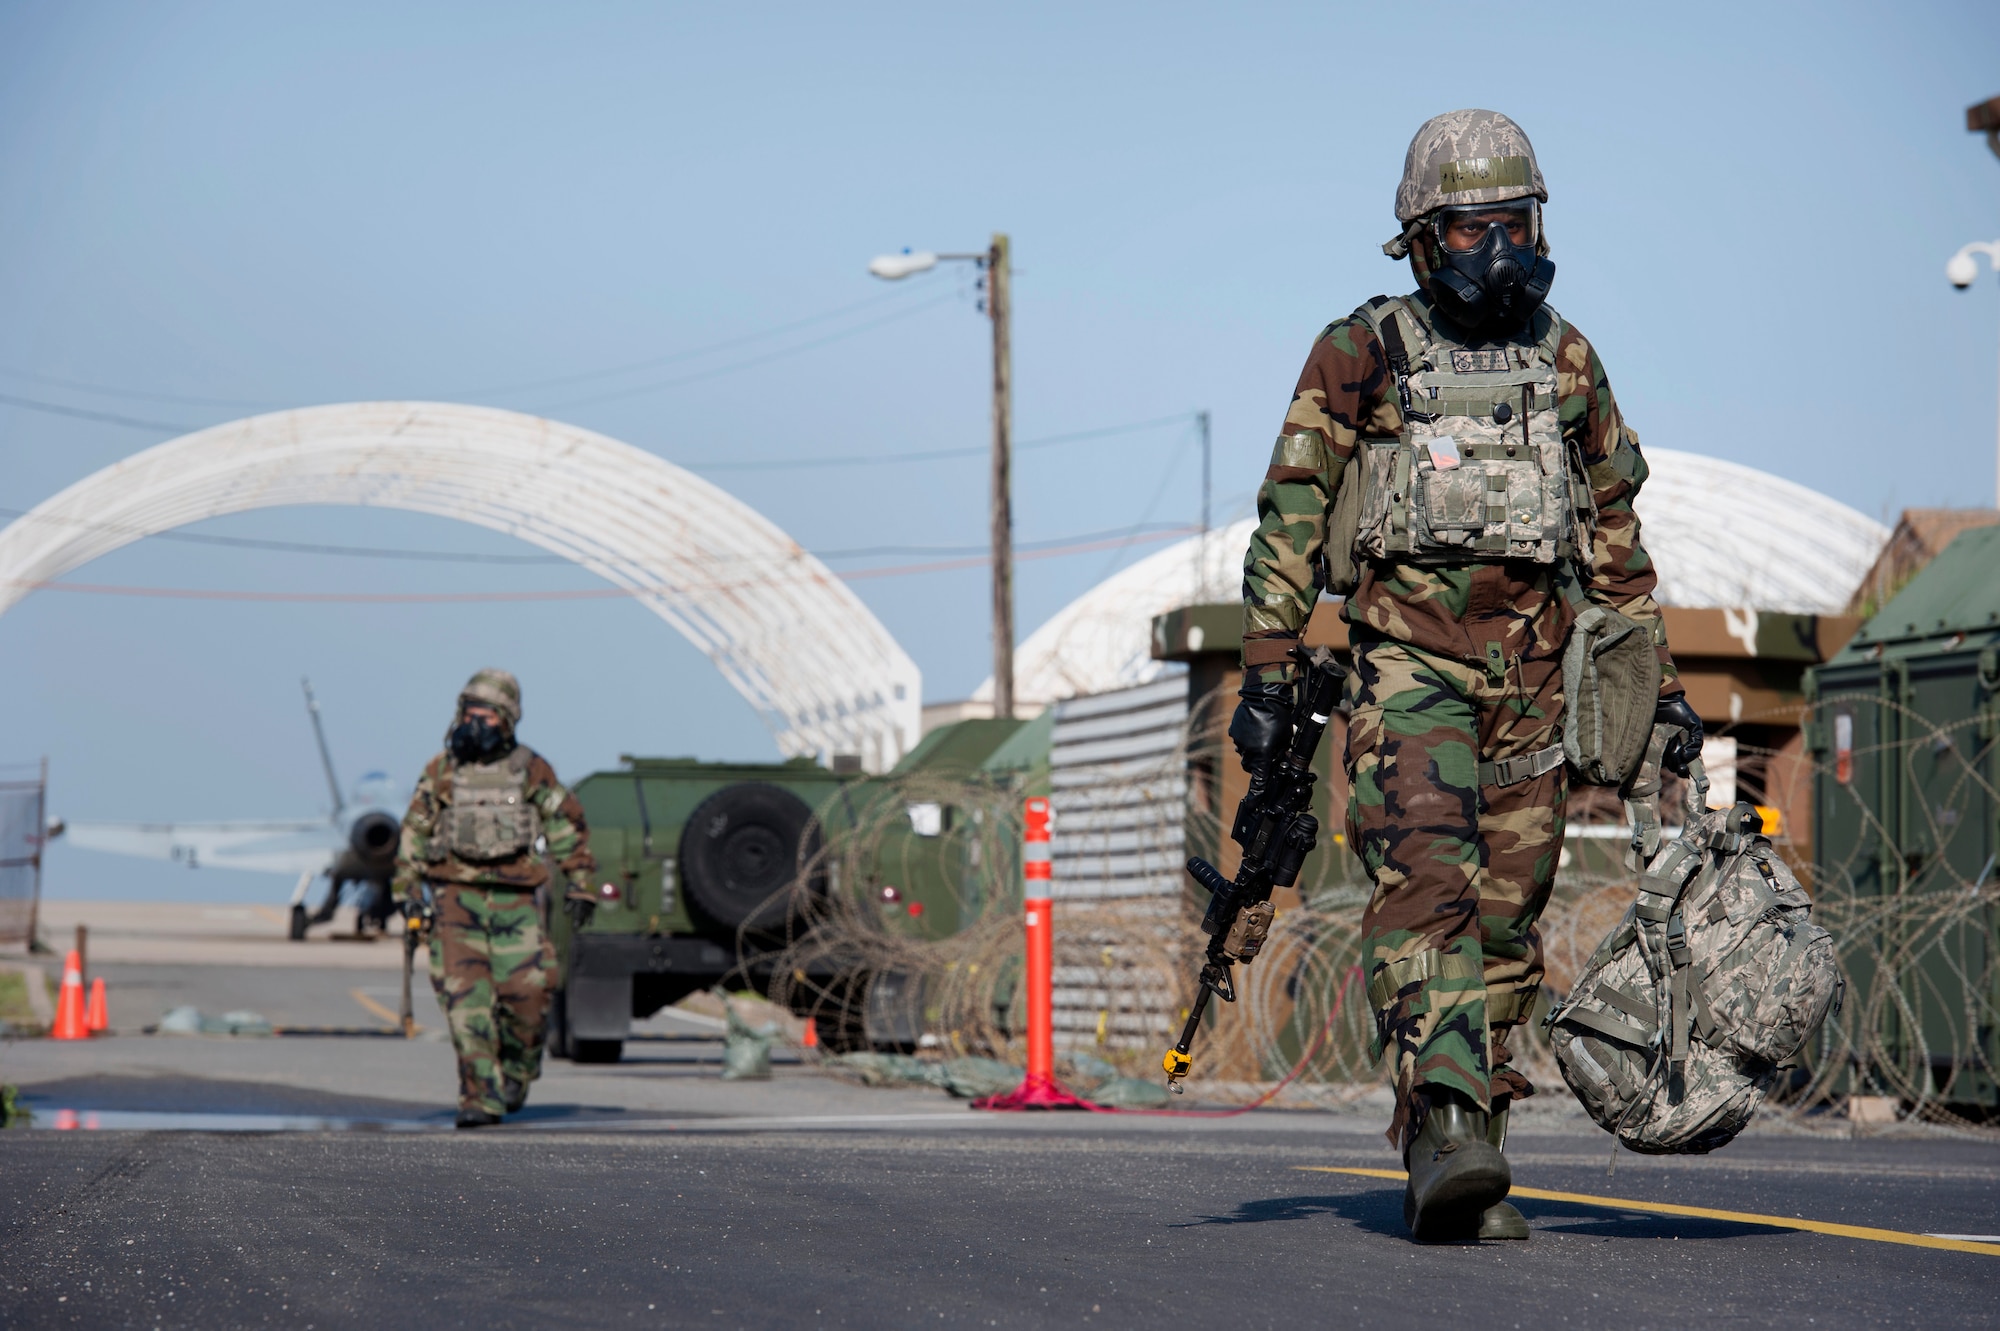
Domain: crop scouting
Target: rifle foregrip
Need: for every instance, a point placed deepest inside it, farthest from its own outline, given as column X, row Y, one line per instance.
column 1207, row 875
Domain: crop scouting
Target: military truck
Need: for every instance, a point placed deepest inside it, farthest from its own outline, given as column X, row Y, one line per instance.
column 705, row 852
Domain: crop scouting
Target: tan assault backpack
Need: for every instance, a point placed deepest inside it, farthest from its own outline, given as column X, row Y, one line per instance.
column 1715, row 979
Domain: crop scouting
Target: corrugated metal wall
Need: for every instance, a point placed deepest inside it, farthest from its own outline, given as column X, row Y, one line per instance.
column 1119, row 780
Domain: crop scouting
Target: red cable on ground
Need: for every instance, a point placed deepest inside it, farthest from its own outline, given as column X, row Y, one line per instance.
column 1319, row 1042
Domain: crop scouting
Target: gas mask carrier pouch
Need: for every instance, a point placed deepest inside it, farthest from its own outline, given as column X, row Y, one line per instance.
column 1611, row 685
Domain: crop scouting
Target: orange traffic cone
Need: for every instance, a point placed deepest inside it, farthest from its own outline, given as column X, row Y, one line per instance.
column 70, row 1024
column 97, row 1016
column 811, row 1038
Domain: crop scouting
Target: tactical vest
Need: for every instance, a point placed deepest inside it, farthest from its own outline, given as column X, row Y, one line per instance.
column 490, row 818
column 1481, row 472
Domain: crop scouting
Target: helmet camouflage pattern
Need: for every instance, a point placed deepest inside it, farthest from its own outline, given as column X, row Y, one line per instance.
column 497, row 689
column 1467, row 157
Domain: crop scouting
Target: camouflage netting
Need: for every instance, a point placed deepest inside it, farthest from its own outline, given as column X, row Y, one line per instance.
column 1916, row 1028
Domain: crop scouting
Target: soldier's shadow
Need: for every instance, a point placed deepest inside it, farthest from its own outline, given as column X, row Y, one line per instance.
column 1380, row 1211
column 1376, row 1211
column 1611, row 1223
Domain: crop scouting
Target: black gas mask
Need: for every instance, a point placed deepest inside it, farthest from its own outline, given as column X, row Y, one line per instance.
column 1494, row 287
column 476, row 740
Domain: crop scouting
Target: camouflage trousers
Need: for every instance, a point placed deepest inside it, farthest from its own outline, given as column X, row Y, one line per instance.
column 494, row 970
column 1461, row 872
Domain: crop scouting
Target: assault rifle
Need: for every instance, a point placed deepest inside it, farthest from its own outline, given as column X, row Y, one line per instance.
column 1276, row 833
column 416, row 931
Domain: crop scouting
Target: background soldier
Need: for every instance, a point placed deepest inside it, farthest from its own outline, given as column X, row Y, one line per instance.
column 1496, row 480
column 487, row 817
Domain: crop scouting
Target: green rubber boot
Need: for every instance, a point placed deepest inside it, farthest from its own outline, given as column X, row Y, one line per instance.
column 1501, row 1220
column 1456, row 1174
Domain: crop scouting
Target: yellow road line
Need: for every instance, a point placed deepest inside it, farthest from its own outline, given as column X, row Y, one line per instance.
column 394, row 1018
column 1704, row 1213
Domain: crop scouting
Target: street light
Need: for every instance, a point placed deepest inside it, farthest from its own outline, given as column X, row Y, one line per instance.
column 896, row 267
column 994, row 263
column 1962, row 271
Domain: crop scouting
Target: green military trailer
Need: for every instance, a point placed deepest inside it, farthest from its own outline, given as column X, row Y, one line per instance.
column 707, row 855
column 1903, row 728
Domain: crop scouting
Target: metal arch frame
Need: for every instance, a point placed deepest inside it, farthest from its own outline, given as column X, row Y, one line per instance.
column 792, row 638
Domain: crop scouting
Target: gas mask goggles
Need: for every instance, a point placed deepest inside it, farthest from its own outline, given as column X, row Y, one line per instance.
column 1490, row 279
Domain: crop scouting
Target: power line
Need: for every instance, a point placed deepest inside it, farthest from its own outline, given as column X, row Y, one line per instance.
column 104, row 390
column 615, row 394
column 560, row 594
column 1048, row 543
column 454, row 557
column 111, row 418
column 692, row 353
column 932, row 455
column 295, row 547
column 457, row 557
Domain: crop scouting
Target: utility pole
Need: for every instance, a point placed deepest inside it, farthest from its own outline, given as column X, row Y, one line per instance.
column 998, row 306
column 998, row 269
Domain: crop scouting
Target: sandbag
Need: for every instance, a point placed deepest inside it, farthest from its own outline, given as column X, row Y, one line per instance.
column 746, row 1049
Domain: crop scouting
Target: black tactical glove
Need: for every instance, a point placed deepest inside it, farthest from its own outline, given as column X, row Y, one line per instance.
column 418, row 914
column 1674, row 711
column 1262, row 725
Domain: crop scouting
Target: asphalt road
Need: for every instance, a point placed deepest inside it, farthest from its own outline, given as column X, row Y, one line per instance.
column 1051, row 1222
column 650, row 1193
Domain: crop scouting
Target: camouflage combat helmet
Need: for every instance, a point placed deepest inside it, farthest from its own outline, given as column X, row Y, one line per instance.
column 1466, row 157
column 497, row 689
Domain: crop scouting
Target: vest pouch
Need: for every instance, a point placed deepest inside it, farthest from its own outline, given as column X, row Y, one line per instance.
column 1611, row 687
column 1452, row 502
column 1383, row 528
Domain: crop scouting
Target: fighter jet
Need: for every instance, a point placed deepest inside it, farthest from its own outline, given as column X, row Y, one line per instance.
column 355, row 847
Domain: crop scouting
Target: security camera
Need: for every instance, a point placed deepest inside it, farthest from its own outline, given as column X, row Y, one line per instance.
column 1962, row 271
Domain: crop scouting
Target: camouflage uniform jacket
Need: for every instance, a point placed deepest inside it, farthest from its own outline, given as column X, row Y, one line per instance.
column 562, row 827
column 1347, row 392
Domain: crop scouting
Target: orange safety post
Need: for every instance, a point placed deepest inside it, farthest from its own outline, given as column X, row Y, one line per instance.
column 69, row 1002
column 97, row 1016
column 1039, row 1089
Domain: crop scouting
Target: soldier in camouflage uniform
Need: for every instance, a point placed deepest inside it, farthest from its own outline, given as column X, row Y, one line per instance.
column 1464, row 439
column 487, row 818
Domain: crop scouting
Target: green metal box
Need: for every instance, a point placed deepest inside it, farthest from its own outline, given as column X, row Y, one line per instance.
column 1902, row 728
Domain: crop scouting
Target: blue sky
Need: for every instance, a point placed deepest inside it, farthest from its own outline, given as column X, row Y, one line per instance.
column 258, row 206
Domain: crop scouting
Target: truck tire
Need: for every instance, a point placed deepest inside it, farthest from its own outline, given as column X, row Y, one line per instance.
column 739, row 854
column 558, row 1042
